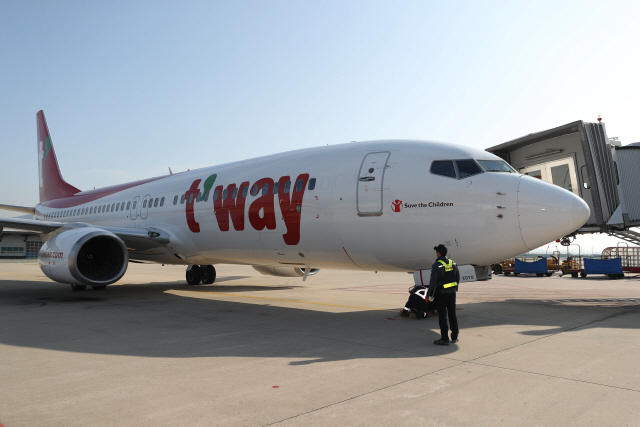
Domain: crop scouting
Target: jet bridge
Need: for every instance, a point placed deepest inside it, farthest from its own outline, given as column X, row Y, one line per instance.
column 581, row 158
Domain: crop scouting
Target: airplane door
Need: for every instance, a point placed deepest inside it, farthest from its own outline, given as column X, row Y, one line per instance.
column 144, row 208
column 370, row 180
column 134, row 208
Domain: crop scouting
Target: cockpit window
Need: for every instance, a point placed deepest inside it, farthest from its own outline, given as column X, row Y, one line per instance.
column 496, row 166
column 467, row 168
column 443, row 168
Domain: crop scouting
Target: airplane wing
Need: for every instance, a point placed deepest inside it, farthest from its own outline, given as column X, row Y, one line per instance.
column 22, row 209
column 137, row 239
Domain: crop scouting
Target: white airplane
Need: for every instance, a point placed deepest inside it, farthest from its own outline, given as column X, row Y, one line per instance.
column 375, row 206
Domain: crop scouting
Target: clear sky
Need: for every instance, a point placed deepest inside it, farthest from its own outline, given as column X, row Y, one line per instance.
column 131, row 88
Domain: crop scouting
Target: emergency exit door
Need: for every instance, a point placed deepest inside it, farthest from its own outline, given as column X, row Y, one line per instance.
column 559, row 172
column 370, row 179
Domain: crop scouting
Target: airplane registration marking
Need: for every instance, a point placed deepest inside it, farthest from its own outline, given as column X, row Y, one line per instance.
column 292, row 300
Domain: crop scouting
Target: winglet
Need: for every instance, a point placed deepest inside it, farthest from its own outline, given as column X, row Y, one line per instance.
column 52, row 185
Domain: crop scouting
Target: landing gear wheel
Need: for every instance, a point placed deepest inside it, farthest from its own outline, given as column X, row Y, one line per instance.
column 497, row 269
column 78, row 287
column 583, row 274
column 574, row 275
column 548, row 274
column 208, row 274
column 194, row 275
column 99, row 288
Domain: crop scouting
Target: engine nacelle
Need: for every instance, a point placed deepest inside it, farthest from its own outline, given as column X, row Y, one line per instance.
column 283, row 271
column 84, row 256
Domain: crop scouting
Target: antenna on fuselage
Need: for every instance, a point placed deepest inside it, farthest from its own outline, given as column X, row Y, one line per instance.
column 170, row 172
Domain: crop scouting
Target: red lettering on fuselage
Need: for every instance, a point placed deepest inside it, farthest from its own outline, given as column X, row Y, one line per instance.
column 230, row 207
column 291, row 213
column 263, row 204
column 191, row 196
column 262, row 210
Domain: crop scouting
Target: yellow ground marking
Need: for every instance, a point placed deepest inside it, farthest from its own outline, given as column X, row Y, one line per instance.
column 292, row 300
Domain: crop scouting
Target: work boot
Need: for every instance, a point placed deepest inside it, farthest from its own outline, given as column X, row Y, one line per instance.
column 454, row 340
column 404, row 312
column 441, row 342
column 421, row 315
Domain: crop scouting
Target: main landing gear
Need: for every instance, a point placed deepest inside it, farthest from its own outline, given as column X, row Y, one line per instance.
column 205, row 274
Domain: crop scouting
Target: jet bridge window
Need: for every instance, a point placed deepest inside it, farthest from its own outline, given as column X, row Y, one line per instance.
column 443, row 168
column 467, row 168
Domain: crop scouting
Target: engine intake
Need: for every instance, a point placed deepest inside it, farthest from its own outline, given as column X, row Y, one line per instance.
column 84, row 256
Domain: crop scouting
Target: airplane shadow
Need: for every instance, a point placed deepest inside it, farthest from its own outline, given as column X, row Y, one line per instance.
column 151, row 320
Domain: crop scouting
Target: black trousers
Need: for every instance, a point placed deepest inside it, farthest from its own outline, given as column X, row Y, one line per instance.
column 416, row 303
column 446, row 305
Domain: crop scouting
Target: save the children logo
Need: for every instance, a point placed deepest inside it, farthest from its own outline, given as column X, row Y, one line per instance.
column 396, row 205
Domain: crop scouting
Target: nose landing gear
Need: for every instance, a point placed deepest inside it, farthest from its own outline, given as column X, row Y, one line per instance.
column 205, row 274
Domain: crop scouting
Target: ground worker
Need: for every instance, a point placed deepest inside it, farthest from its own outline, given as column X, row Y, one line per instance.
column 443, row 287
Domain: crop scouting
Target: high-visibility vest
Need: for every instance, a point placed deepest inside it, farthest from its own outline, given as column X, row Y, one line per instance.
column 448, row 268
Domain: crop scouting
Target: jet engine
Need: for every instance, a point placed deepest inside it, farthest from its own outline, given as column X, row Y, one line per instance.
column 84, row 256
column 284, row 271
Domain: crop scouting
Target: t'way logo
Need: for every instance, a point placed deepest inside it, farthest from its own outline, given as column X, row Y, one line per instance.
column 261, row 212
column 396, row 205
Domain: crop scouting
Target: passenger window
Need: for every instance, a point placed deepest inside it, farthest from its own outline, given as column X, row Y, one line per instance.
column 182, row 199
column 245, row 191
column 135, row 202
column 254, row 190
column 191, row 198
column 113, row 206
column 443, row 168
column 312, row 184
column 235, row 193
column 122, row 206
column 275, row 187
column 83, row 211
column 117, row 207
column 155, row 204
column 175, row 200
column 299, row 185
column 287, row 186
column 128, row 205
column 215, row 195
column 144, row 204
column 162, row 202
column 224, row 194
column 206, row 196
column 198, row 197
column 467, row 168
column 265, row 189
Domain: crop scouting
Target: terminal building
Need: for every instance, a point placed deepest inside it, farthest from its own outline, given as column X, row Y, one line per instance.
column 19, row 244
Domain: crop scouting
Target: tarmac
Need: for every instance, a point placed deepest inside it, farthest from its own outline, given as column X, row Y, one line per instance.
column 253, row 350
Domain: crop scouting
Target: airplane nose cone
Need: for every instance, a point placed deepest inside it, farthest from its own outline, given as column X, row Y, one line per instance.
column 547, row 212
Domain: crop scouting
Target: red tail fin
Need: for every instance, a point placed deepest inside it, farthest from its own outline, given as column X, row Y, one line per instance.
column 52, row 186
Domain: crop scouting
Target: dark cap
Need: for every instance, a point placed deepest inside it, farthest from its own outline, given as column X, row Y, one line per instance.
column 441, row 248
